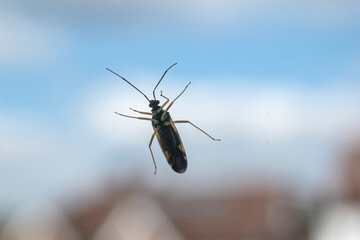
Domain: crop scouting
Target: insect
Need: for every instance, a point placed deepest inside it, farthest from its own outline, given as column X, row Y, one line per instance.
column 164, row 128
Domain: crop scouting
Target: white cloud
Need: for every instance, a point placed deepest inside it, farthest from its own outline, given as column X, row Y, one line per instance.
column 25, row 40
column 244, row 117
column 205, row 13
column 270, row 112
column 37, row 159
column 18, row 142
column 99, row 108
column 281, row 131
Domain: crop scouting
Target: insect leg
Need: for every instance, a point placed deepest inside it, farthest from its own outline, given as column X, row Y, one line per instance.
column 163, row 116
column 141, row 118
column 152, row 155
column 185, row 121
column 162, row 106
column 146, row 113
column 167, row 100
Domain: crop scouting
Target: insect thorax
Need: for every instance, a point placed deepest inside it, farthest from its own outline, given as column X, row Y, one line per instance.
column 160, row 122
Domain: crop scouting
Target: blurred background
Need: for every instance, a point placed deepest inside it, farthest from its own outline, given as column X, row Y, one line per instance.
column 277, row 81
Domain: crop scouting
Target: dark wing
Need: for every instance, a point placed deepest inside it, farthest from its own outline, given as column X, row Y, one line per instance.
column 177, row 161
column 172, row 147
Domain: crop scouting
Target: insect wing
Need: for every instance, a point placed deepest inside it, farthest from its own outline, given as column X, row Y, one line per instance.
column 172, row 148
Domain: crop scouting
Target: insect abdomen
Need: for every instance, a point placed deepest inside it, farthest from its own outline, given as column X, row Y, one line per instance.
column 172, row 148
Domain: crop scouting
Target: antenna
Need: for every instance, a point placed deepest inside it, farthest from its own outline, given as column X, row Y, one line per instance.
column 131, row 83
column 161, row 79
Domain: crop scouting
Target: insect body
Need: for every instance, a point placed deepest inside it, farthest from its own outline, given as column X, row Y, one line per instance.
column 164, row 128
column 169, row 139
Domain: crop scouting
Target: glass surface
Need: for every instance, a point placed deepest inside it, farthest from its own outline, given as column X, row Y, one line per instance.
column 276, row 81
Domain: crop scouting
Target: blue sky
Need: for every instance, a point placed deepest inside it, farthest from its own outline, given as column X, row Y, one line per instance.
column 276, row 80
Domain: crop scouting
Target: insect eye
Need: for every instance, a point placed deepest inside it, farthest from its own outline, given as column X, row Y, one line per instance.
column 157, row 102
